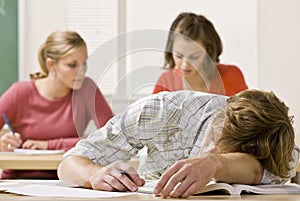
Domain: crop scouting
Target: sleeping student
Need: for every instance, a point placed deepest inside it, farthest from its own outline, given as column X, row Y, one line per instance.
column 191, row 138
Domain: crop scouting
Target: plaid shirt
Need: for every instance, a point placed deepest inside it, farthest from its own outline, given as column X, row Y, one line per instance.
column 171, row 125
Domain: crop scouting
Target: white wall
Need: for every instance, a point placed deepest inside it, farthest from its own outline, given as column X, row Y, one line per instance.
column 39, row 19
column 278, row 42
column 278, row 52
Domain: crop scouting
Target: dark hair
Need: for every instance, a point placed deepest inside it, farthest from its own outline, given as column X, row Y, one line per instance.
column 258, row 123
column 196, row 28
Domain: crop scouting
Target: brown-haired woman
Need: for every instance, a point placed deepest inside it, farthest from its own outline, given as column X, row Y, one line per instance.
column 192, row 59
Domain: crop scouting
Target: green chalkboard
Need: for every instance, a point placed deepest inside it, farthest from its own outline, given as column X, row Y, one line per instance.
column 8, row 43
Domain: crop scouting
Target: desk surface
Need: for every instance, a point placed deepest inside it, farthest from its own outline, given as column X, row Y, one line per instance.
column 290, row 197
column 30, row 162
column 38, row 162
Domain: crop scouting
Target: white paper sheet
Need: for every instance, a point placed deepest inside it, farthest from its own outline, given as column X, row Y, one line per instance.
column 6, row 185
column 36, row 152
column 41, row 190
column 10, row 183
column 33, row 152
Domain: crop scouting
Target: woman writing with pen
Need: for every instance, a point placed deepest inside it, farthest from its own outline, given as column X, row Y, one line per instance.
column 52, row 110
column 7, row 122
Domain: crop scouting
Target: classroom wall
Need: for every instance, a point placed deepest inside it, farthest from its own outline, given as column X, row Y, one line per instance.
column 39, row 19
column 278, row 40
column 8, row 44
column 278, row 52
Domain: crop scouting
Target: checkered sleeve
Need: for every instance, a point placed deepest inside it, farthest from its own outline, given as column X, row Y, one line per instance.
column 123, row 135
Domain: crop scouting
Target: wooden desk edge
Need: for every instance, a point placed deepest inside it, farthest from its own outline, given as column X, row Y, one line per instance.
column 39, row 162
column 30, row 162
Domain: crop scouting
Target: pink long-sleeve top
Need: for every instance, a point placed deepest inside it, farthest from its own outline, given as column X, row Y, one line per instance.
column 61, row 121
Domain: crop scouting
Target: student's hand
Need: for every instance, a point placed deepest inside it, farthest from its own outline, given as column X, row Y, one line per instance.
column 35, row 144
column 109, row 178
column 185, row 177
column 9, row 141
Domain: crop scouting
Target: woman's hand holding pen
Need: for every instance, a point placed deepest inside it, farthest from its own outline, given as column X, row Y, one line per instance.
column 9, row 141
column 117, row 176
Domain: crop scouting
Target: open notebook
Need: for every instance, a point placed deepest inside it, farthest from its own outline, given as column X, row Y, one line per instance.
column 54, row 188
column 46, row 188
column 235, row 189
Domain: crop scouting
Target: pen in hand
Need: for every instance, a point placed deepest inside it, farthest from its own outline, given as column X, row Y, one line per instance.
column 134, row 178
column 8, row 123
column 125, row 173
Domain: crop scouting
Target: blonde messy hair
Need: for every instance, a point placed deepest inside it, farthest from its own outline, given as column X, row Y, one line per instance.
column 58, row 45
column 257, row 122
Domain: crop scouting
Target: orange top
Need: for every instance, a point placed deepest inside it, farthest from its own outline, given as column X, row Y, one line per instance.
column 232, row 81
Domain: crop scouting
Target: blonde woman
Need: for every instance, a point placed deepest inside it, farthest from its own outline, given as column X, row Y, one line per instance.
column 52, row 110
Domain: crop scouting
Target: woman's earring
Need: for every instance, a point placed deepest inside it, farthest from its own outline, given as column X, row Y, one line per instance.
column 52, row 75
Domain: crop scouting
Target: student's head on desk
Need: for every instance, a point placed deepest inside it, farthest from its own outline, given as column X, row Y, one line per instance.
column 258, row 123
column 252, row 143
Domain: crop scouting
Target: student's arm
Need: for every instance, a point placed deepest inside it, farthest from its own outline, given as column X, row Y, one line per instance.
column 62, row 143
column 119, row 139
column 239, row 168
column 197, row 172
column 84, row 172
column 53, row 144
